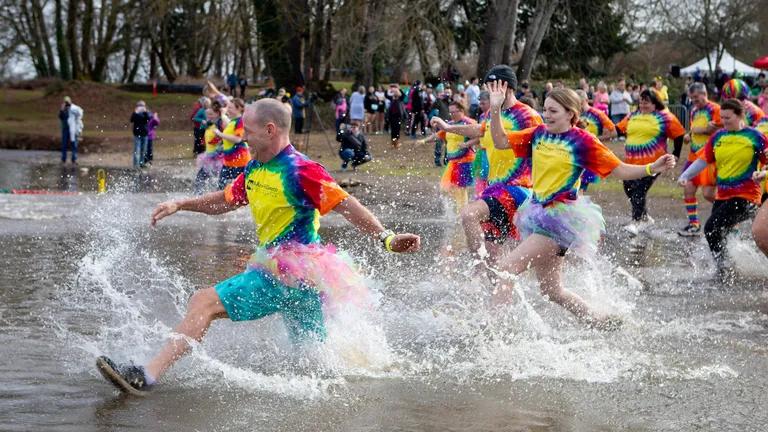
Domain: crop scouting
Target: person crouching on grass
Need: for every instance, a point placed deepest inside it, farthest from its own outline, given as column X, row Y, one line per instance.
column 354, row 146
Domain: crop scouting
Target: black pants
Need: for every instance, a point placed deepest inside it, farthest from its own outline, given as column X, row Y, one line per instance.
column 418, row 117
column 199, row 145
column 394, row 126
column 637, row 190
column 725, row 215
column 298, row 125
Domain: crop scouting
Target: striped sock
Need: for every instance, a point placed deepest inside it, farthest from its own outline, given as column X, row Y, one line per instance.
column 691, row 208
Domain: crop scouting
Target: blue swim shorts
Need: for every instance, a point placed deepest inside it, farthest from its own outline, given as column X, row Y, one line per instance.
column 256, row 294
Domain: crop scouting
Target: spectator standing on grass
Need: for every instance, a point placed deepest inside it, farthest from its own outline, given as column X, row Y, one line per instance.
column 382, row 108
column 601, row 99
column 357, row 105
column 298, row 103
column 243, row 82
column 619, row 99
column 340, row 107
column 71, row 119
column 473, row 94
column 395, row 113
column 371, row 105
column 140, row 119
column 232, row 84
column 154, row 122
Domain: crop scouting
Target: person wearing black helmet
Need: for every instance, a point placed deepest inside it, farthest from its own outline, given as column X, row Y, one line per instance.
column 490, row 218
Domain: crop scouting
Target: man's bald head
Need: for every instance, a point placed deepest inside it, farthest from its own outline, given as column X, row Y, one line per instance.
column 265, row 111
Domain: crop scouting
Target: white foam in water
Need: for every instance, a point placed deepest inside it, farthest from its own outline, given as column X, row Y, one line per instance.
column 438, row 323
column 132, row 300
column 750, row 262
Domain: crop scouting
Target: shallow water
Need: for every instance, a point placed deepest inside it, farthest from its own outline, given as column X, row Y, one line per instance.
column 84, row 275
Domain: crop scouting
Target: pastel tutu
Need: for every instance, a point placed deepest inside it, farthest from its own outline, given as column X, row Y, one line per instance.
column 334, row 274
column 576, row 225
column 210, row 162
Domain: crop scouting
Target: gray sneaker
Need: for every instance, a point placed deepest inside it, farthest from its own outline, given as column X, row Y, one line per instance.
column 128, row 378
column 690, row 230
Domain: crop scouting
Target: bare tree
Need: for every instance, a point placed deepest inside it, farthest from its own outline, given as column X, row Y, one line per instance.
column 710, row 26
column 534, row 35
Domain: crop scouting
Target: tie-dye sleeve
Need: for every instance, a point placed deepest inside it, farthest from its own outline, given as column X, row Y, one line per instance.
column 239, row 128
column 234, row 193
column 716, row 115
column 607, row 123
column 707, row 153
column 598, row 158
column 674, row 128
column 622, row 125
column 520, row 141
column 320, row 188
column 762, row 147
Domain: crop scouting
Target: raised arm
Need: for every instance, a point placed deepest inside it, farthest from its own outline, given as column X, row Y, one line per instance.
column 497, row 91
column 212, row 203
column 366, row 222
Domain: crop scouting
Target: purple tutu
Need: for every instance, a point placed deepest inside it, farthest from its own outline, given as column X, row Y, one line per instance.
column 210, row 162
column 575, row 225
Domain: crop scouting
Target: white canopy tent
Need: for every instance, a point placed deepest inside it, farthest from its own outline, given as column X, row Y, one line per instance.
column 728, row 64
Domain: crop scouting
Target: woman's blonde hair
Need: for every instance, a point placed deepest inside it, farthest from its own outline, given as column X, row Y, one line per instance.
column 569, row 100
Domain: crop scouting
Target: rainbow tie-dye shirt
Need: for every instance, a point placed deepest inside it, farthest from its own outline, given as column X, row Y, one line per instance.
column 453, row 142
column 560, row 159
column 286, row 195
column 596, row 122
column 647, row 135
column 504, row 166
column 212, row 141
column 700, row 118
column 736, row 155
column 236, row 155
column 752, row 113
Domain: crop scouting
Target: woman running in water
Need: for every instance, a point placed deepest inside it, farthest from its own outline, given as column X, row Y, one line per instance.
column 735, row 151
column 209, row 162
column 647, row 130
column 234, row 147
column 457, row 175
column 556, row 219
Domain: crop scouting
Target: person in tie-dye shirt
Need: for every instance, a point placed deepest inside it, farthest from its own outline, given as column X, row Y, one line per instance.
column 760, row 224
column 209, row 162
column 457, row 175
column 234, row 146
column 291, row 272
column 647, row 131
column 598, row 124
column 488, row 222
column 736, row 151
column 556, row 218
column 705, row 120
column 738, row 89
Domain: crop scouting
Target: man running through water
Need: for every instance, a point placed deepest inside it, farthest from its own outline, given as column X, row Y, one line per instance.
column 290, row 271
column 489, row 219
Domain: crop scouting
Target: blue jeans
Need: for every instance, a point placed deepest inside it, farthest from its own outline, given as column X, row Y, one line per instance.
column 65, row 142
column 139, row 150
